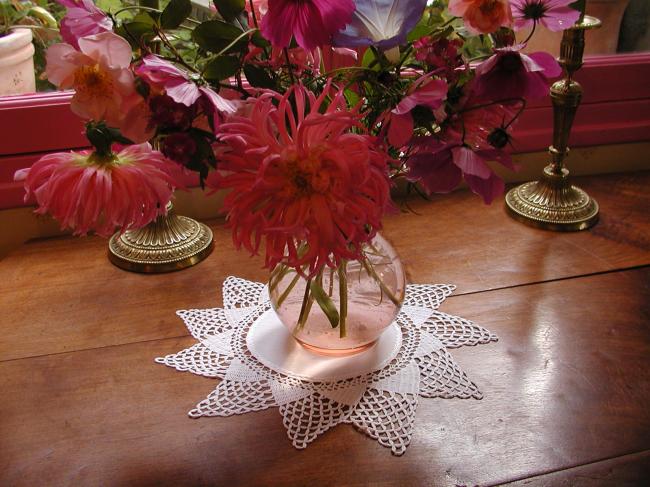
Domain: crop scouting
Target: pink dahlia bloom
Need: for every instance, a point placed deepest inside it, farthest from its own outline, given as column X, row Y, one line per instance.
column 426, row 92
column 482, row 16
column 511, row 74
column 82, row 19
column 85, row 192
column 302, row 180
column 311, row 22
column 440, row 166
column 99, row 73
column 555, row 15
column 177, row 85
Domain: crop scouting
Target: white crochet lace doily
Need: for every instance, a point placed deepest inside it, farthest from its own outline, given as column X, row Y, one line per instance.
column 380, row 403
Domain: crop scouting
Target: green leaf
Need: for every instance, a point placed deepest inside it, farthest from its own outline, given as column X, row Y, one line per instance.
column 140, row 30
column 175, row 13
column 215, row 35
column 325, row 303
column 259, row 40
column 221, row 68
column 351, row 97
column 258, row 77
column 420, row 30
column 370, row 60
column 230, row 9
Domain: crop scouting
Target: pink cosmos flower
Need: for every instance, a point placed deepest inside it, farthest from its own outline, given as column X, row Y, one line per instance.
column 482, row 16
column 440, row 166
column 302, row 180
column 311, row 22
column 99, row 73
column 555, row 15
column 475, row 121
column 511, row 74
column 85, row 192
column 427, row 92
column 82, row 19
column 177, row 85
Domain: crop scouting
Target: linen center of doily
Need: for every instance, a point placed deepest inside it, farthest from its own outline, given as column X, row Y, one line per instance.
column 273, row 346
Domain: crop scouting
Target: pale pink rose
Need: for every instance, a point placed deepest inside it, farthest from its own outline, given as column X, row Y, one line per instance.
column 86, row 193
column 99, row 73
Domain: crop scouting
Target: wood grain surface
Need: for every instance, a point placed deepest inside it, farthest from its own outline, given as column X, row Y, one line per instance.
column 566, row 387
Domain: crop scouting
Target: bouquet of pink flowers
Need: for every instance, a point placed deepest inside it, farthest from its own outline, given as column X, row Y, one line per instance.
column 305, row 110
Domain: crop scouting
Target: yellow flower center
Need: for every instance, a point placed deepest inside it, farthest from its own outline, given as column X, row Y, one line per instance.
column 92, row 81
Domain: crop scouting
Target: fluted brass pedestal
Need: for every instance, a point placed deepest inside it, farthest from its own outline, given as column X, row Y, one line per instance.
column 169, row 243
column 553, row 203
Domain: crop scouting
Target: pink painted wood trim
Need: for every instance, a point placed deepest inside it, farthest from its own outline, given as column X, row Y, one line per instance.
column 38, row 123
column 615, row 109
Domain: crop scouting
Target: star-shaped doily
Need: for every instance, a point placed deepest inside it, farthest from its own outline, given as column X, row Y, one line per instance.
column 381, row 403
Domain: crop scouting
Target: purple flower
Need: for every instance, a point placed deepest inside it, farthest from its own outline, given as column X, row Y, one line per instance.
column 511, row 74
column 82, row 19
column 178, row 86
column 440, row 166
column 382, row 23
column 555, row 15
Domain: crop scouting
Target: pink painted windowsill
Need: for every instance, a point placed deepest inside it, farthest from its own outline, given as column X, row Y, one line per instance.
column 615, row 109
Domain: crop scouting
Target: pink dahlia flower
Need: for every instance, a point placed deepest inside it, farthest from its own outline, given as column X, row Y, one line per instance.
column 511, row 74
column 85, row 192
column 82, row 19
column 311, row 22
column 440, row 166
column 555, row 15
column 177, row 85
column 427, row 92
column 482, row 16
column 99, row 73
column 302, row 180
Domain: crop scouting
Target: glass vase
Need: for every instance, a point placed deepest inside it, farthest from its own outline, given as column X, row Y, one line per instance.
column 364, row 295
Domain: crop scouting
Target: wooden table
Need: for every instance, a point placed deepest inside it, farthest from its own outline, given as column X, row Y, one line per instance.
column 567, row 387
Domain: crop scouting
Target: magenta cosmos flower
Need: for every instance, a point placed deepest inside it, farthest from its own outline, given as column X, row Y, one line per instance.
column 311, row 22
column 426, row 92
column 85, row 192
column 440, row 166
column 99, row 73
column 511, row 74
column 302, row 180
column 177, row 85
column 555, row 15
column 82, row 19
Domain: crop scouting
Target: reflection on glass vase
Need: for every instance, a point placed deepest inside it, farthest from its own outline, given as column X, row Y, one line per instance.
column 341, row 311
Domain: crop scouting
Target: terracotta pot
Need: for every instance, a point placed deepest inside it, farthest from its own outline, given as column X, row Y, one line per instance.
column 17, row 63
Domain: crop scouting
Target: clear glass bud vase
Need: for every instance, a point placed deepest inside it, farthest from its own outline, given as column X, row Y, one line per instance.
column 341, row 311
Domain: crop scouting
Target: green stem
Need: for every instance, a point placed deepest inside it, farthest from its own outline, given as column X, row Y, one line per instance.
column 343, row 299
column 304, row 309
column 371, row 271
column 288, row 290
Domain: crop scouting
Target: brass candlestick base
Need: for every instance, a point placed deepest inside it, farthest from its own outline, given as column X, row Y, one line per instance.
column 169, row 243
column 553, row 203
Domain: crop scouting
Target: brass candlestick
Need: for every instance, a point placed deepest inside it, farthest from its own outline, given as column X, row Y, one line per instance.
column 169, row 243
column 553, row 203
